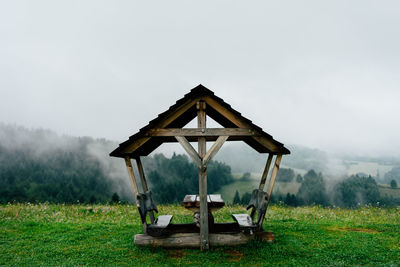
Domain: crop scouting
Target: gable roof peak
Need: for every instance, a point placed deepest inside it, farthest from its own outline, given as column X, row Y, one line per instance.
column 201, row 90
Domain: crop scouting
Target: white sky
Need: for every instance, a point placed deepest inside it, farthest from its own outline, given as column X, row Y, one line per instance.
column 323, row 74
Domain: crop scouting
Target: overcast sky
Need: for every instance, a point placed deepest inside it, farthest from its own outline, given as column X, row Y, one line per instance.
column 323, row 74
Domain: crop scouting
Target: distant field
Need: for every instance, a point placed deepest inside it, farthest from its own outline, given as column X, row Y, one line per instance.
column 370, row 168
column 390, row 192
column 101, row 235
column 228, row 191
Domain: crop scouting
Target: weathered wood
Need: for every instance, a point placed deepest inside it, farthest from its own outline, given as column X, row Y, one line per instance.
column 265, row 173
column 244, row 220
column 201, row 123
column 144, row 183
column 162, row 221
column 164, row 123
column 239, row 122
column 271, row 185
column 216, row 198
column 216, row 228
column 273, row 177
column 192, row 202
column 190, row 150
column 192, row 240
column 158, row 228
column 198, row 132
column 214, row 149
column 134, row 186
column 263, row 179
column 132, row 177
column 146, row 204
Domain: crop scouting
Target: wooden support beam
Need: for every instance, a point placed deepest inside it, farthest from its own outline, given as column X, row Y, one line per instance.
column 198, row 132
column 274, row 174
column 214, row 149
column 272, row 180
column 201, row 123
column 164, row 123
column 190, row 150
column 265, row 173
column 134, row 185
column 263, row 179
column 132, row 177
column 238, row 122
column 187, row 240
column 144, row 183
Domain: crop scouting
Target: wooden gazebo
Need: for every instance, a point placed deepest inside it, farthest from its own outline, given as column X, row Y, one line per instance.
column 168, row 127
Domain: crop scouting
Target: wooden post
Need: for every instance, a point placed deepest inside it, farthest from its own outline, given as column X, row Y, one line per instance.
column 144, row 183
column 201, row 122
column 265, row 173
column 134, row 185
column 263, row 178
column 271, row 184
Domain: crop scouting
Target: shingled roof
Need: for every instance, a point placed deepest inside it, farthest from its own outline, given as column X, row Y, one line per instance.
column 182, row 112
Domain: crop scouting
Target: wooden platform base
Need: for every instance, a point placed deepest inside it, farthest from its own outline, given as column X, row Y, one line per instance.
column 192, row 240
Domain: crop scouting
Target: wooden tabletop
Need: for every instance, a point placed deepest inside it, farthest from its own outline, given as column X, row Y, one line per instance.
column 193, row 201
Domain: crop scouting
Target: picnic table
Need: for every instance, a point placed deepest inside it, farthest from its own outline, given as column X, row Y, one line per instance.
column 192, row 203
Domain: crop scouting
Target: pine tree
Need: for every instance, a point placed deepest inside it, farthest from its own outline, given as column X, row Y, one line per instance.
column 236, row 198
column 115, row 198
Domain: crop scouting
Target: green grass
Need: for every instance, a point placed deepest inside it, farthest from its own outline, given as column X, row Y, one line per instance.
column 70, row 235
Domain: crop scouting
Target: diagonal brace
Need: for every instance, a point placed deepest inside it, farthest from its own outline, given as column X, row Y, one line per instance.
column 214, row 149
column 190, row 150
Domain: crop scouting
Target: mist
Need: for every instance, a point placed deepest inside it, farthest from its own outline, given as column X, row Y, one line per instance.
column 318, row 74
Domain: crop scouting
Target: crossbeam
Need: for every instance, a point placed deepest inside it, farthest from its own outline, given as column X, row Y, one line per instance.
column 199, row 132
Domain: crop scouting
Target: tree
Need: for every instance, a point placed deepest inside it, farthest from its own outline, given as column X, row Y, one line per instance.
column 356, row 190
column 299, row 179
column 115, row 198
column 245, row 198
column 246, row 176
column 172, row 179
column 291, row 200
column 393, row 184
column 393, row 174
column 285, row 175
column 236, row 198
column 312, row 189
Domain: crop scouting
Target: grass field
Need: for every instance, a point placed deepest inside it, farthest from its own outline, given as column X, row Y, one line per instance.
column 70, row 235
column 386, row 190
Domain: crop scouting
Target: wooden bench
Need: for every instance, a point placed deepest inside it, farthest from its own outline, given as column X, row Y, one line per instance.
column 159, row 226
column 146, row 204
column 258, row 202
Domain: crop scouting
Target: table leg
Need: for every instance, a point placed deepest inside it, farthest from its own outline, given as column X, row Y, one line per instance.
column 196, row 219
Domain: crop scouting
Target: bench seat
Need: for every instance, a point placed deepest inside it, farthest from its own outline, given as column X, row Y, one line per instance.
column 245, row 223
column 160, row 224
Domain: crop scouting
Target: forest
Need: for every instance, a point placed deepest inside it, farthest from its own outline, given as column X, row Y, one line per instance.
column 41, row 166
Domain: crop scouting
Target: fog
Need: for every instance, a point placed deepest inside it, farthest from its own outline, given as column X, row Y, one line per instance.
column 322, row 74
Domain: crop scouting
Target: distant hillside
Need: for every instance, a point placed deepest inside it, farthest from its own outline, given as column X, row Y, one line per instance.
column 242, row 158
column 40, row 165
